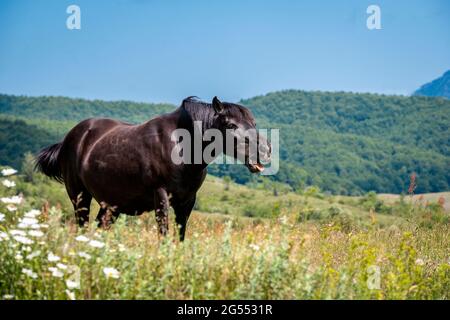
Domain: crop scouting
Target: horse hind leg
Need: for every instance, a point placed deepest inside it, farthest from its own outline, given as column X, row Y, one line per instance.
column 161, row 203
column 81, row 206
column 106, row 216
column 81, row 200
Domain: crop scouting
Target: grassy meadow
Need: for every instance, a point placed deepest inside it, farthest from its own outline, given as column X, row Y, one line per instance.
column 261, row 242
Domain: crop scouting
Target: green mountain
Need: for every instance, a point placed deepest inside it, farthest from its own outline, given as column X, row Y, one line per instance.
column 344, row 143
column 349, row 143
column 18, row 137
column 439, row 87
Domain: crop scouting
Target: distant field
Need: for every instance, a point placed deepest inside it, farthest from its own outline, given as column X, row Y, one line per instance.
column 418, row 198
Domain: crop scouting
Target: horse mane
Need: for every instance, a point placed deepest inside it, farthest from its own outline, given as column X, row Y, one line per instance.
column 194, row 100
column 198, row 110
column 203, row 111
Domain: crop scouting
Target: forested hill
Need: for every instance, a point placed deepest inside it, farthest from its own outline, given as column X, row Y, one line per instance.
column 415, row 121
column 347, row 142
column 68, row 109
column 18, row 137
column 342, row 142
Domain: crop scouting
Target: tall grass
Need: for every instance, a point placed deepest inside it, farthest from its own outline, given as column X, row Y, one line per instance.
column 43, row 256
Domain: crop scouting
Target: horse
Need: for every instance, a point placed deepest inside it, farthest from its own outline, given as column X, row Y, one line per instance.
column 127, row 168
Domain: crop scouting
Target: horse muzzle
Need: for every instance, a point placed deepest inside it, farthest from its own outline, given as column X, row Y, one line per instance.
column 263, row 157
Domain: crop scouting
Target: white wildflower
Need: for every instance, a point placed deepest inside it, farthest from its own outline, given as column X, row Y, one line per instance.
column 12, row 200
column 284, row 220
column 34, row 226
column 33, row 213
column 52, row 257
column 121, row 247
column 111, row 273
column 15, row 232
column 33, row 254
column 82, row 238
column 72, row 284
column 29, row 273
column 3, row 236
column 8, row 183
column 61, row 266
column 18, row 257
column 25, row 223
column 23, row 239
column 84, row 255
column 420, row 262
column 70, row 295
column 2, row 217
column 43, row 225
column 56, row 272
column 35, row 233
column 8, row 172
column 29, row 221
column 96, row 244
column 254, row 247
column 11, row 208
column 8, row 296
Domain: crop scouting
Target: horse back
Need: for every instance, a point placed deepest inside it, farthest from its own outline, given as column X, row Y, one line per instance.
column 80, row 139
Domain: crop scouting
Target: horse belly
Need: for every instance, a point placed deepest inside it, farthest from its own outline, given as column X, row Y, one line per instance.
column 116, row 179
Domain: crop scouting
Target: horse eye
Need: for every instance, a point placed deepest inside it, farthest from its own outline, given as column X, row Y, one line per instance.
column 231, row 126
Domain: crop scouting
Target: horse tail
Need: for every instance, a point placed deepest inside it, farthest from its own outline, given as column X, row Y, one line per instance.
column 47, row 161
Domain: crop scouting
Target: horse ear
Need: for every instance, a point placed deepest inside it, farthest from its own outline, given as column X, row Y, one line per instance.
column 217, row 105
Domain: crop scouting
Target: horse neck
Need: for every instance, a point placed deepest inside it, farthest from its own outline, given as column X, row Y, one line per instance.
column 187, row 116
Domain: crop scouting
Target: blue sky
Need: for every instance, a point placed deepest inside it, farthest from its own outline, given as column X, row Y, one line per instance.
column 163, row 51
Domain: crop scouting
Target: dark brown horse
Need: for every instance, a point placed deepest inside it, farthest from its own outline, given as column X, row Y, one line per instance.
column 128, row 167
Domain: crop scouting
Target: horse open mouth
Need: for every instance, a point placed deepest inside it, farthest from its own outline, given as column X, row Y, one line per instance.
column 253, row 168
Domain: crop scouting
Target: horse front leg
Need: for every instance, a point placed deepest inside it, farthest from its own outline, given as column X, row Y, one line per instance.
column 182, row 212
column 161, row 201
